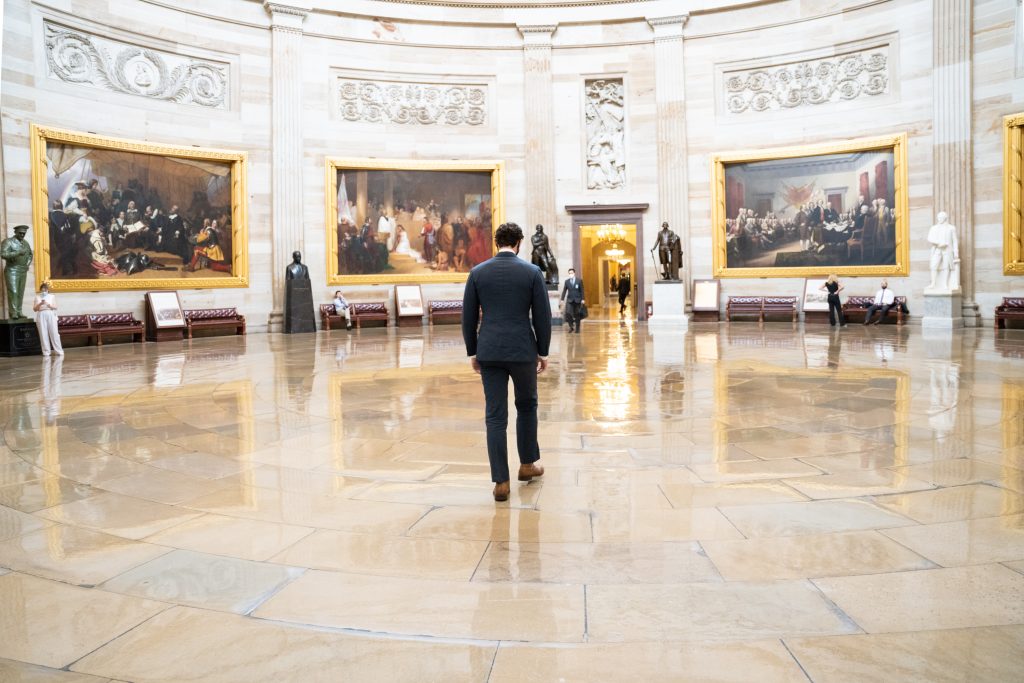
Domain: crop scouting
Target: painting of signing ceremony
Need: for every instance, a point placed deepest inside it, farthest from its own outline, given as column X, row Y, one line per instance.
column 116, row 215
column 412, row 222
column 831, row 211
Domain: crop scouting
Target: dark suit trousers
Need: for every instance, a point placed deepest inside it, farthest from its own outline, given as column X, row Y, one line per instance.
column 572, row 315
column 873, row 308
column 495, row 376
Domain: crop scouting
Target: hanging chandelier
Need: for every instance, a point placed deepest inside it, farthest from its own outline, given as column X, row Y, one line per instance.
column 614, row 252
column 611, row 233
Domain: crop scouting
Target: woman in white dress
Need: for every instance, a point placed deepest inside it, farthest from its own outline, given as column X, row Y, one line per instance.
column 402, row 245
column 45, row 307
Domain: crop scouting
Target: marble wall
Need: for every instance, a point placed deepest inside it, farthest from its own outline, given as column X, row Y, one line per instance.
column 673, row 121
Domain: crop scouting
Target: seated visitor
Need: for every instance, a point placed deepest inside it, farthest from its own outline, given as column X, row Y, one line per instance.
column 884, row 299
column 341, row 307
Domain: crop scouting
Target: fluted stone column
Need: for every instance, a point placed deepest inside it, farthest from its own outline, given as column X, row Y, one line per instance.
column 286, row 143
column 670, row 97
column 540, row 127
column 953, row 168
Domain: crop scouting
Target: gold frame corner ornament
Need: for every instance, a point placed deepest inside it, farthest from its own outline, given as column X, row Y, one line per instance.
column 1013, row 194
column 897, row 143
column 40, row 136
column 333, row 164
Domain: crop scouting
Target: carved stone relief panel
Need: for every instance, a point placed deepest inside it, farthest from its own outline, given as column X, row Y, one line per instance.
column 605, row 122
column 93, row 61
column 411, row 102
column 857, row 74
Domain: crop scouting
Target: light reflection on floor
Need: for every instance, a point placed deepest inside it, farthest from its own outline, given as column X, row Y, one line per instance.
column 724, row 503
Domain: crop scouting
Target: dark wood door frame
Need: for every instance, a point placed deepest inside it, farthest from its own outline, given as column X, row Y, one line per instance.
column 596, row 214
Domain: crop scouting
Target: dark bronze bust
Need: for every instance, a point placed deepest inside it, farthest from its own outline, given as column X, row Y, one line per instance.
column 296, row 270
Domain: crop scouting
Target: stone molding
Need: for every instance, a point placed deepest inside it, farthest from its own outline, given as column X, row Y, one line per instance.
column 102, row 63
column 863, row 72
column 411, row 102
column 605, row 124
column 668, row 28
column 287, row 16
column 537, row 35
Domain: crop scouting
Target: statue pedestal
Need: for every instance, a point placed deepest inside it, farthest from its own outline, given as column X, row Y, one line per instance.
column 19, row 338
column 298, row 307
column 942, row 310
column 554, row 300
column 669, row 305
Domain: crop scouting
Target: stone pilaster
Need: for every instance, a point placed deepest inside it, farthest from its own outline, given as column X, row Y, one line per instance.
column 286, row 20
column 953, row 167
column 540, row 128
column 670, row 97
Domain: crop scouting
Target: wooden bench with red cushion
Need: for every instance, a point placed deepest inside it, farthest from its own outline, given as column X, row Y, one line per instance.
column 1012, row 308
column 745, row 305
column 780, row 305
column 447, row 310
column 369, row 310
column 855, row 308
column 330, row 318
column 214, row 318
column 97, row 325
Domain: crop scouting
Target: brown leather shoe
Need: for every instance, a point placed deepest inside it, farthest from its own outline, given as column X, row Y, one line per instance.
column 501, row 491
column 528, row 472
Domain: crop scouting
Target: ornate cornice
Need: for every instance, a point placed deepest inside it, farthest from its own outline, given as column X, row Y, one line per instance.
column 287, row 17
column 411, row 102
column 537, row 36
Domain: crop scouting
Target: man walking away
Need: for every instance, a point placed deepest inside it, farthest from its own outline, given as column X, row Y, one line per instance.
column 511, row 343
column 572, row 295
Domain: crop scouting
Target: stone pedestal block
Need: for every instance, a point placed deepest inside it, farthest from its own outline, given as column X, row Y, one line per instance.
column 669, row 304
column 942, row 311
column 19, row 338
column 554, row 300
column 298, row 307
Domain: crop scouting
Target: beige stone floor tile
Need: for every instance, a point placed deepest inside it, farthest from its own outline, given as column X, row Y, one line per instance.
column 931, row 599
column 602, row 478
column 856, row 483
column 980, row 655
column 96, row 470
column 144, row 449
column 504, row 524
column 428, row 558
column 955, row 503
column 811, row 556
column 812, row 517
column 75, row 555
column 429, row 493
column 808, row 446
column 14, row 523
column 234, row 649
column 720, row 472
column 959, row 471
column 246, row 539
column 1016, row 566
column 974, row 541
column 201, row 465
column 744, row 493
column 162, row 486
column 652, row 526
column 650, row 662
column 866, row 460
column 725, row 611
column 53, row 624
column 450, row 438
column 318, row 511
column 498, row 611
column 303, row 481
column 618, row 494
column 19, row 473
column 119, row 515
column 19, row 672
column 373, row 467
column 570, row 459
column 46, row 492
column 182, row 577
column 593, row 563
column 209, row 442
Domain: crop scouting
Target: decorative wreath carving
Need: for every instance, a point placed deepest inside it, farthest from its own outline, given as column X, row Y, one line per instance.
column 812, row 82
column 76, row 57
column 412, row 103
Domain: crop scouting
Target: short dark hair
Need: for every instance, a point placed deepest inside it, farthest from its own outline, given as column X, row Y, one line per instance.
column 508, row 235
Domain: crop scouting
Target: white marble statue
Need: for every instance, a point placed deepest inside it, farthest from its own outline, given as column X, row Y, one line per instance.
column 605, row 113
column 945, row 261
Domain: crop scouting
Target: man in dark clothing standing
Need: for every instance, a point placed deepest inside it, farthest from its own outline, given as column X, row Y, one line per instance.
column 512, row 342
column 572, row 295
column 625, row 288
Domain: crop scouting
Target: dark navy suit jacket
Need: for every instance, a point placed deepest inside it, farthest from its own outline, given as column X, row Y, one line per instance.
column 573, row 293
column 516, row 314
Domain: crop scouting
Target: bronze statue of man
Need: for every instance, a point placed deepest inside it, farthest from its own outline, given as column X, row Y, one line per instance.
column 670, row 253
column 17, row 255
column 296, row 270
column 542, row 256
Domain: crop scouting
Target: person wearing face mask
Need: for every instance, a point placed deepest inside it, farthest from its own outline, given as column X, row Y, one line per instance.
column 572, row 295
column 884, row 300
column 511, row 343
column 45, row 306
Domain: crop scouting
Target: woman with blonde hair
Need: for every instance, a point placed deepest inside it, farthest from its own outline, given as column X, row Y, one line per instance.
column 835, row 308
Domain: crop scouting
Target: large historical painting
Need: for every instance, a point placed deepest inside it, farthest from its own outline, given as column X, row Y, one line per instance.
column 812, row 211
column 395, row 221
column 116, row 214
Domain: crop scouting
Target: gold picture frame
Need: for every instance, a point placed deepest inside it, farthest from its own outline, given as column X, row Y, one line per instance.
column 334, row 165
column 1013, row 194
column 41, row 137
column 896, row 144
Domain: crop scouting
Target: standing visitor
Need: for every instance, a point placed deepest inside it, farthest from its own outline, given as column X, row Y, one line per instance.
column 835, row 308
column 45, row 306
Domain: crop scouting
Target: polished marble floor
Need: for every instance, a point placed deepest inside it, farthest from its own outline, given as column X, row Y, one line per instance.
column 730, row 503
